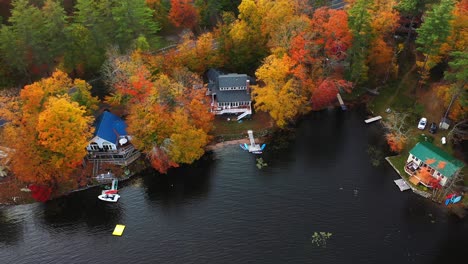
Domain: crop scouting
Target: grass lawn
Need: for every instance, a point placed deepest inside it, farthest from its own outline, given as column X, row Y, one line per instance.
column 399, row 162
column 398, row 97
column 259, row 122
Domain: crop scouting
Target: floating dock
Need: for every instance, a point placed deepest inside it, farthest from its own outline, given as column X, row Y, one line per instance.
column 118, row 231
column 254, row 148
column 373, row 119
column 402, row 185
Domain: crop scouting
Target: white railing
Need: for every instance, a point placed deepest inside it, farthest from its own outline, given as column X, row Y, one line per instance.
column 231, row 111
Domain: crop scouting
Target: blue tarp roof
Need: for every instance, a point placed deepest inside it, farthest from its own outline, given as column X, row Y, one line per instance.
column 110, row 126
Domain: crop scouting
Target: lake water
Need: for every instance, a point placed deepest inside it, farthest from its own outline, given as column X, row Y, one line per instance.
column 224, row 209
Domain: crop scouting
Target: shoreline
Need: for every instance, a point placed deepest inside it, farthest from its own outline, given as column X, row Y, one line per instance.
column 219, row 145
column 210, row 147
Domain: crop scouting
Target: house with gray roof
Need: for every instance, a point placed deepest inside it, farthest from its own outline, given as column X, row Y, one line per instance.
column 230, row 93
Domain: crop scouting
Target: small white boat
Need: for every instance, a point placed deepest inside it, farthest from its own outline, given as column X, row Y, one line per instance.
column 109, row 197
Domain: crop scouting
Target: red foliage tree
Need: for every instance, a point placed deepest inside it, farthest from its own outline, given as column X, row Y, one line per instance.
column 183, row 13
column 40, row 193
column 333, row 34
column 161, row 161
column 325, row 93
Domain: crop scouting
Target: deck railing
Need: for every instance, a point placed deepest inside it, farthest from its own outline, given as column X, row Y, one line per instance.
column 409, row 168
column 122, row 156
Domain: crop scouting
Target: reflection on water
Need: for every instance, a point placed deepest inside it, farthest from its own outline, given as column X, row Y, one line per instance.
column 223, row 209
column 181, row 184
column 62, row 214
column 10, row 227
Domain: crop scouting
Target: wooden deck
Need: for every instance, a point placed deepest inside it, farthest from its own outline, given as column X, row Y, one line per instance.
column 122, row 156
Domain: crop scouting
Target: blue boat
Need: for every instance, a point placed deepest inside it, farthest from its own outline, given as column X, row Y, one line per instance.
column 246, row 146
column 447, row 201
column 456, row 199
column 243, row 147
column 263, row 146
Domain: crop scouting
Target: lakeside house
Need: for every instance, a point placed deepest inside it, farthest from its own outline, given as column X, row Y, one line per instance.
column 440, row 165
column 230, row 93
column 111, row 143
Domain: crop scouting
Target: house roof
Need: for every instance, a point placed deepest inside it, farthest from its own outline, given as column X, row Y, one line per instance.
column 436, row 158
column 232, row 80
column 110, row 127
column 229, row 96
column 213, row 74
column 218, row 79
column 233, row 96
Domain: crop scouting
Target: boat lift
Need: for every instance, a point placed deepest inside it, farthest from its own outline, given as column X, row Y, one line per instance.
column 253, row 147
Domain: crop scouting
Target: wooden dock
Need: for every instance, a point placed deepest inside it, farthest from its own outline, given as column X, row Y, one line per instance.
column 254, row 148
column 402, row 185
column 373, row 119
column 343, row 106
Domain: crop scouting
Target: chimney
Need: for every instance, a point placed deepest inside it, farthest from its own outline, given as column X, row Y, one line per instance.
column 248, row 85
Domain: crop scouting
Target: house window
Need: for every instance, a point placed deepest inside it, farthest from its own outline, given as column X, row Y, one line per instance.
column 107, row 146
column 416, row 159
column 94, row 146
column 438, row 174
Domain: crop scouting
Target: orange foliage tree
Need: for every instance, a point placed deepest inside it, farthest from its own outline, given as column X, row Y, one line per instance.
column 183, row 13
column 168, row 119
column 382, row 53
column 396, row 136
column 395, row 142
column 331, row 32
column 50, row 131
column 324, row 41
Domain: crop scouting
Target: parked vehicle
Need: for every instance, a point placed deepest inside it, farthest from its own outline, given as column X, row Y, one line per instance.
column 433, row 128
column 422, row 123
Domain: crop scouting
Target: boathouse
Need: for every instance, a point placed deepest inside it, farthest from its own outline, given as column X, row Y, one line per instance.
column 230, row 93
column 441, row 165
column 111, row 143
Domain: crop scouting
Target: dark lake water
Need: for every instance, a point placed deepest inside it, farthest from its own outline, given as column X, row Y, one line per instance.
column 225, row 210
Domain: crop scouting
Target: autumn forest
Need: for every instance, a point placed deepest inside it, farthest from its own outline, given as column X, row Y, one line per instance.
column 60, row 55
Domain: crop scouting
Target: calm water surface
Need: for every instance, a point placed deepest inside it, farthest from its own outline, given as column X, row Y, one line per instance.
column 225, row 210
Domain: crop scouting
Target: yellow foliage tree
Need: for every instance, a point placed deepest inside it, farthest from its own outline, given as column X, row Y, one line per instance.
column 50, row 130
column 187, row 141
column 170, row 124
column 64, row 129
column 279, row 96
